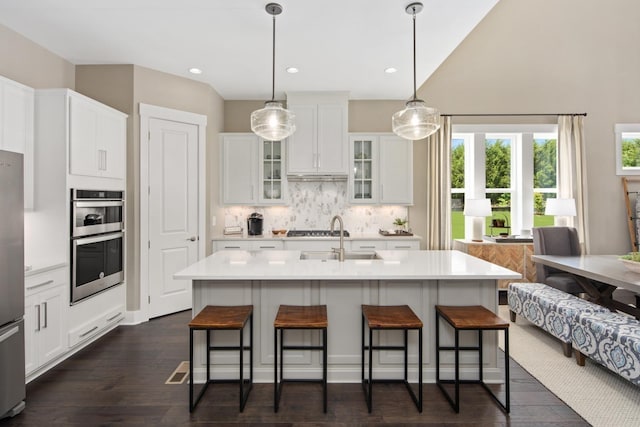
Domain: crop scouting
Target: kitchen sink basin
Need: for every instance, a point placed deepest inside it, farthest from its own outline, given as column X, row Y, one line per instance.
column 329, row 255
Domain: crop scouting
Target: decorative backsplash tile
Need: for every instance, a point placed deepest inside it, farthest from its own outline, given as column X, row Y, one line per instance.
column 312, row 205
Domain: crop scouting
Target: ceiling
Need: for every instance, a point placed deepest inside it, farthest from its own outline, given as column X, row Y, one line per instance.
column 338, row 45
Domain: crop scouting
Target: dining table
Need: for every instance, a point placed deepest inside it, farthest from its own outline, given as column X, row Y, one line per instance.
column 594, row 271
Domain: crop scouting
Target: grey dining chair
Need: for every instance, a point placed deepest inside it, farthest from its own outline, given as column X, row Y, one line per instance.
column 561, row 241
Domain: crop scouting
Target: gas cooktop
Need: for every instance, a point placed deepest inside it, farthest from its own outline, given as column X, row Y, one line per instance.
column 316, row 233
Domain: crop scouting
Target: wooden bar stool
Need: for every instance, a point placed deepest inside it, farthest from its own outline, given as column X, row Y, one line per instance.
column 299, row 317
column 478, row 318
column 390, row 318
column 223, row 318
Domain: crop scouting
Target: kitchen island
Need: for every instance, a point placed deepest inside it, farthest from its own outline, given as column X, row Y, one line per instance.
column 420, row 279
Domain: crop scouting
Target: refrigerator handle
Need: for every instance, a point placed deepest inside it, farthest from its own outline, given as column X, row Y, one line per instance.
column 46, row 314
column 38, row 308
column 7, row 334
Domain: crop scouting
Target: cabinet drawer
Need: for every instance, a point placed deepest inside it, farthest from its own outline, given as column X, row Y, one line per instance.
column 95, row 325
column 232, row 245
column 368, row 245
column 45, row 280
column 267, row 245
column 412, row 245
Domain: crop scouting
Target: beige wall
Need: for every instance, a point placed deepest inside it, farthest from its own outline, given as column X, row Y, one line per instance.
column 32, row 65
column 126, row 86
column 550, row 56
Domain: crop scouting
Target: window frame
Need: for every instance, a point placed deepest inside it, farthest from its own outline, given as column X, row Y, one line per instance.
column 621, row 131
column 522, row 167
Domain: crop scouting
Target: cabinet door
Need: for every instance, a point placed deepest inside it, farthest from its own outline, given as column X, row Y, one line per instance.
column 111, row 145
column 31, row 323
column 83, row 134
column 16, row 125
column 396, row 171
column 363, row 170
column 272, row 185
column 301, row 146
column 239, row 169
column 52, row 332
column 332, row 152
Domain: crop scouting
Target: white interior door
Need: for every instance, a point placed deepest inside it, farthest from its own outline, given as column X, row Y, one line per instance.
column 173, row 213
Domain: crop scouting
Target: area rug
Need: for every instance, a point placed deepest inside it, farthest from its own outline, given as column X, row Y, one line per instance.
column 597, row 394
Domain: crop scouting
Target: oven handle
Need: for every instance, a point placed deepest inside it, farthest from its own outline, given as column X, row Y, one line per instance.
column 98, row 204
column 96, row 239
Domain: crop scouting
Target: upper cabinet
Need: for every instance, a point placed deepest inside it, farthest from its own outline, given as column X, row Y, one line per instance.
column 92, row 136
column 97, row 136
column 252, row 170
column 381, row 169
column 319, row 146
column 16, row 128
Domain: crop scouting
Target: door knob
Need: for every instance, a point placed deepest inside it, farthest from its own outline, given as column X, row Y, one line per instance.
column 192, row 238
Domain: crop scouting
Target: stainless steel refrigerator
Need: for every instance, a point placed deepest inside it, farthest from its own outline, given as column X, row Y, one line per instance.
column 12, row 378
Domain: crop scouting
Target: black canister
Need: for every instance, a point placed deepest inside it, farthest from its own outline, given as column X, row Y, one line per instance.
column 254, row 224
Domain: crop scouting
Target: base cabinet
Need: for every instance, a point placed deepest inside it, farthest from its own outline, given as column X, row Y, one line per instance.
column 46, row 301
column 514, row 256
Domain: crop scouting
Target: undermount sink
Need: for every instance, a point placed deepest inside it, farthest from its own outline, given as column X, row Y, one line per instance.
column 330, row 255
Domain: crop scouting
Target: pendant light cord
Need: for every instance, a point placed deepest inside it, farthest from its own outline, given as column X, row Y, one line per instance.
column 273, row 62
column 414, row 54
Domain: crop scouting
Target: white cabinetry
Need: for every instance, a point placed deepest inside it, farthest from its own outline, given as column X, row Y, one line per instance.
column 382, row 170
column 16, row 128
column 251, row 170
column 247, row 245
column 97, row 138
column 319, row 146
column 46, row 302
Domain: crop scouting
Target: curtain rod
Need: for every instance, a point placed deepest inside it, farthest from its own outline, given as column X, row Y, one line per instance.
column 513, row 114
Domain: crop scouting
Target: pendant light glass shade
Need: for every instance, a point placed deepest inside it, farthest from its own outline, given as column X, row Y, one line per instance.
column 416, row 121
column 273, row 122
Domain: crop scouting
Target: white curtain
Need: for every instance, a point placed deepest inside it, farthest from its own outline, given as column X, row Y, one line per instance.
column 571, row 169
column 439, row 187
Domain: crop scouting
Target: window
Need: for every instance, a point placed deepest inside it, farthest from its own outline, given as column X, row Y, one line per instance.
column 627, row 149
column 513, row 165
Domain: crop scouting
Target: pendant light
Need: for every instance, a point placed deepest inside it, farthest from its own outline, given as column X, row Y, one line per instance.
column 273, row 123
column 416, row 121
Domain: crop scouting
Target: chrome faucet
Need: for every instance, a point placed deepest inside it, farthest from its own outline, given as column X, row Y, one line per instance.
column 340, row 250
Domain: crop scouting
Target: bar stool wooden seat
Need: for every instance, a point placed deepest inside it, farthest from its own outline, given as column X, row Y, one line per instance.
column 298, row 317
column 390, row 318
column 223, row 318
column 478, row 318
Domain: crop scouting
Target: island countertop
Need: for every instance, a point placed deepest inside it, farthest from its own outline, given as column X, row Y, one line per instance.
column 388, row 265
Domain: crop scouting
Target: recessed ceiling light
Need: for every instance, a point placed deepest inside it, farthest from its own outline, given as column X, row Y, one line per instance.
column 195, row 70
column 390, row 70
column 292, row 70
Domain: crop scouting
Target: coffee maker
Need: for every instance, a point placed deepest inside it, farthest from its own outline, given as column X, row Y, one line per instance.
column 254, row 224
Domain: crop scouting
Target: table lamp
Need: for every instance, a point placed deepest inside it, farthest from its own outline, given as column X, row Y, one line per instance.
column 477, row 209
column 561, row 209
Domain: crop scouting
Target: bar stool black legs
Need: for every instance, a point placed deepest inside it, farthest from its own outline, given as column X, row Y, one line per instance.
column 298, row 317
column 390, row 318
column 223, row 318
column 470, row 318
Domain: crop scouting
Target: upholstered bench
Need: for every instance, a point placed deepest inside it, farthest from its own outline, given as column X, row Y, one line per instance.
column 548, row 308
column 611, row 339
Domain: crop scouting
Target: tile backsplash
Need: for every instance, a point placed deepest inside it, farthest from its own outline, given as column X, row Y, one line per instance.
column 312, row 205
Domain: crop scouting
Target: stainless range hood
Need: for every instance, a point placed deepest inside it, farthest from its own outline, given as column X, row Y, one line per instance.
column 317, row 178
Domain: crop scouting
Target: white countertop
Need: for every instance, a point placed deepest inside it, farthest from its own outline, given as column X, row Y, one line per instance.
column 352, row 236
column 394, row 265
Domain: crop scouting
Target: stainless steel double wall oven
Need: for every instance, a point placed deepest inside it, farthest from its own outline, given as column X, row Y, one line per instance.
column 97, row 241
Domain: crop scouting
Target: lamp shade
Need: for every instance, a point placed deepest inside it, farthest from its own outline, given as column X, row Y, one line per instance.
column 416, row 121
column 273, row 123
column 477, row 207
column 561, row 207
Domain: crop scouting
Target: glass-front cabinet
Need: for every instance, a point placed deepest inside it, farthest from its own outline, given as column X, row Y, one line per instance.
column 381, row 169
column 272, row 172
column 362, row 173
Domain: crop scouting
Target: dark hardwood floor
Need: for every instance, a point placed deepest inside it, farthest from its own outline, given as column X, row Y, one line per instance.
column 119, row 380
